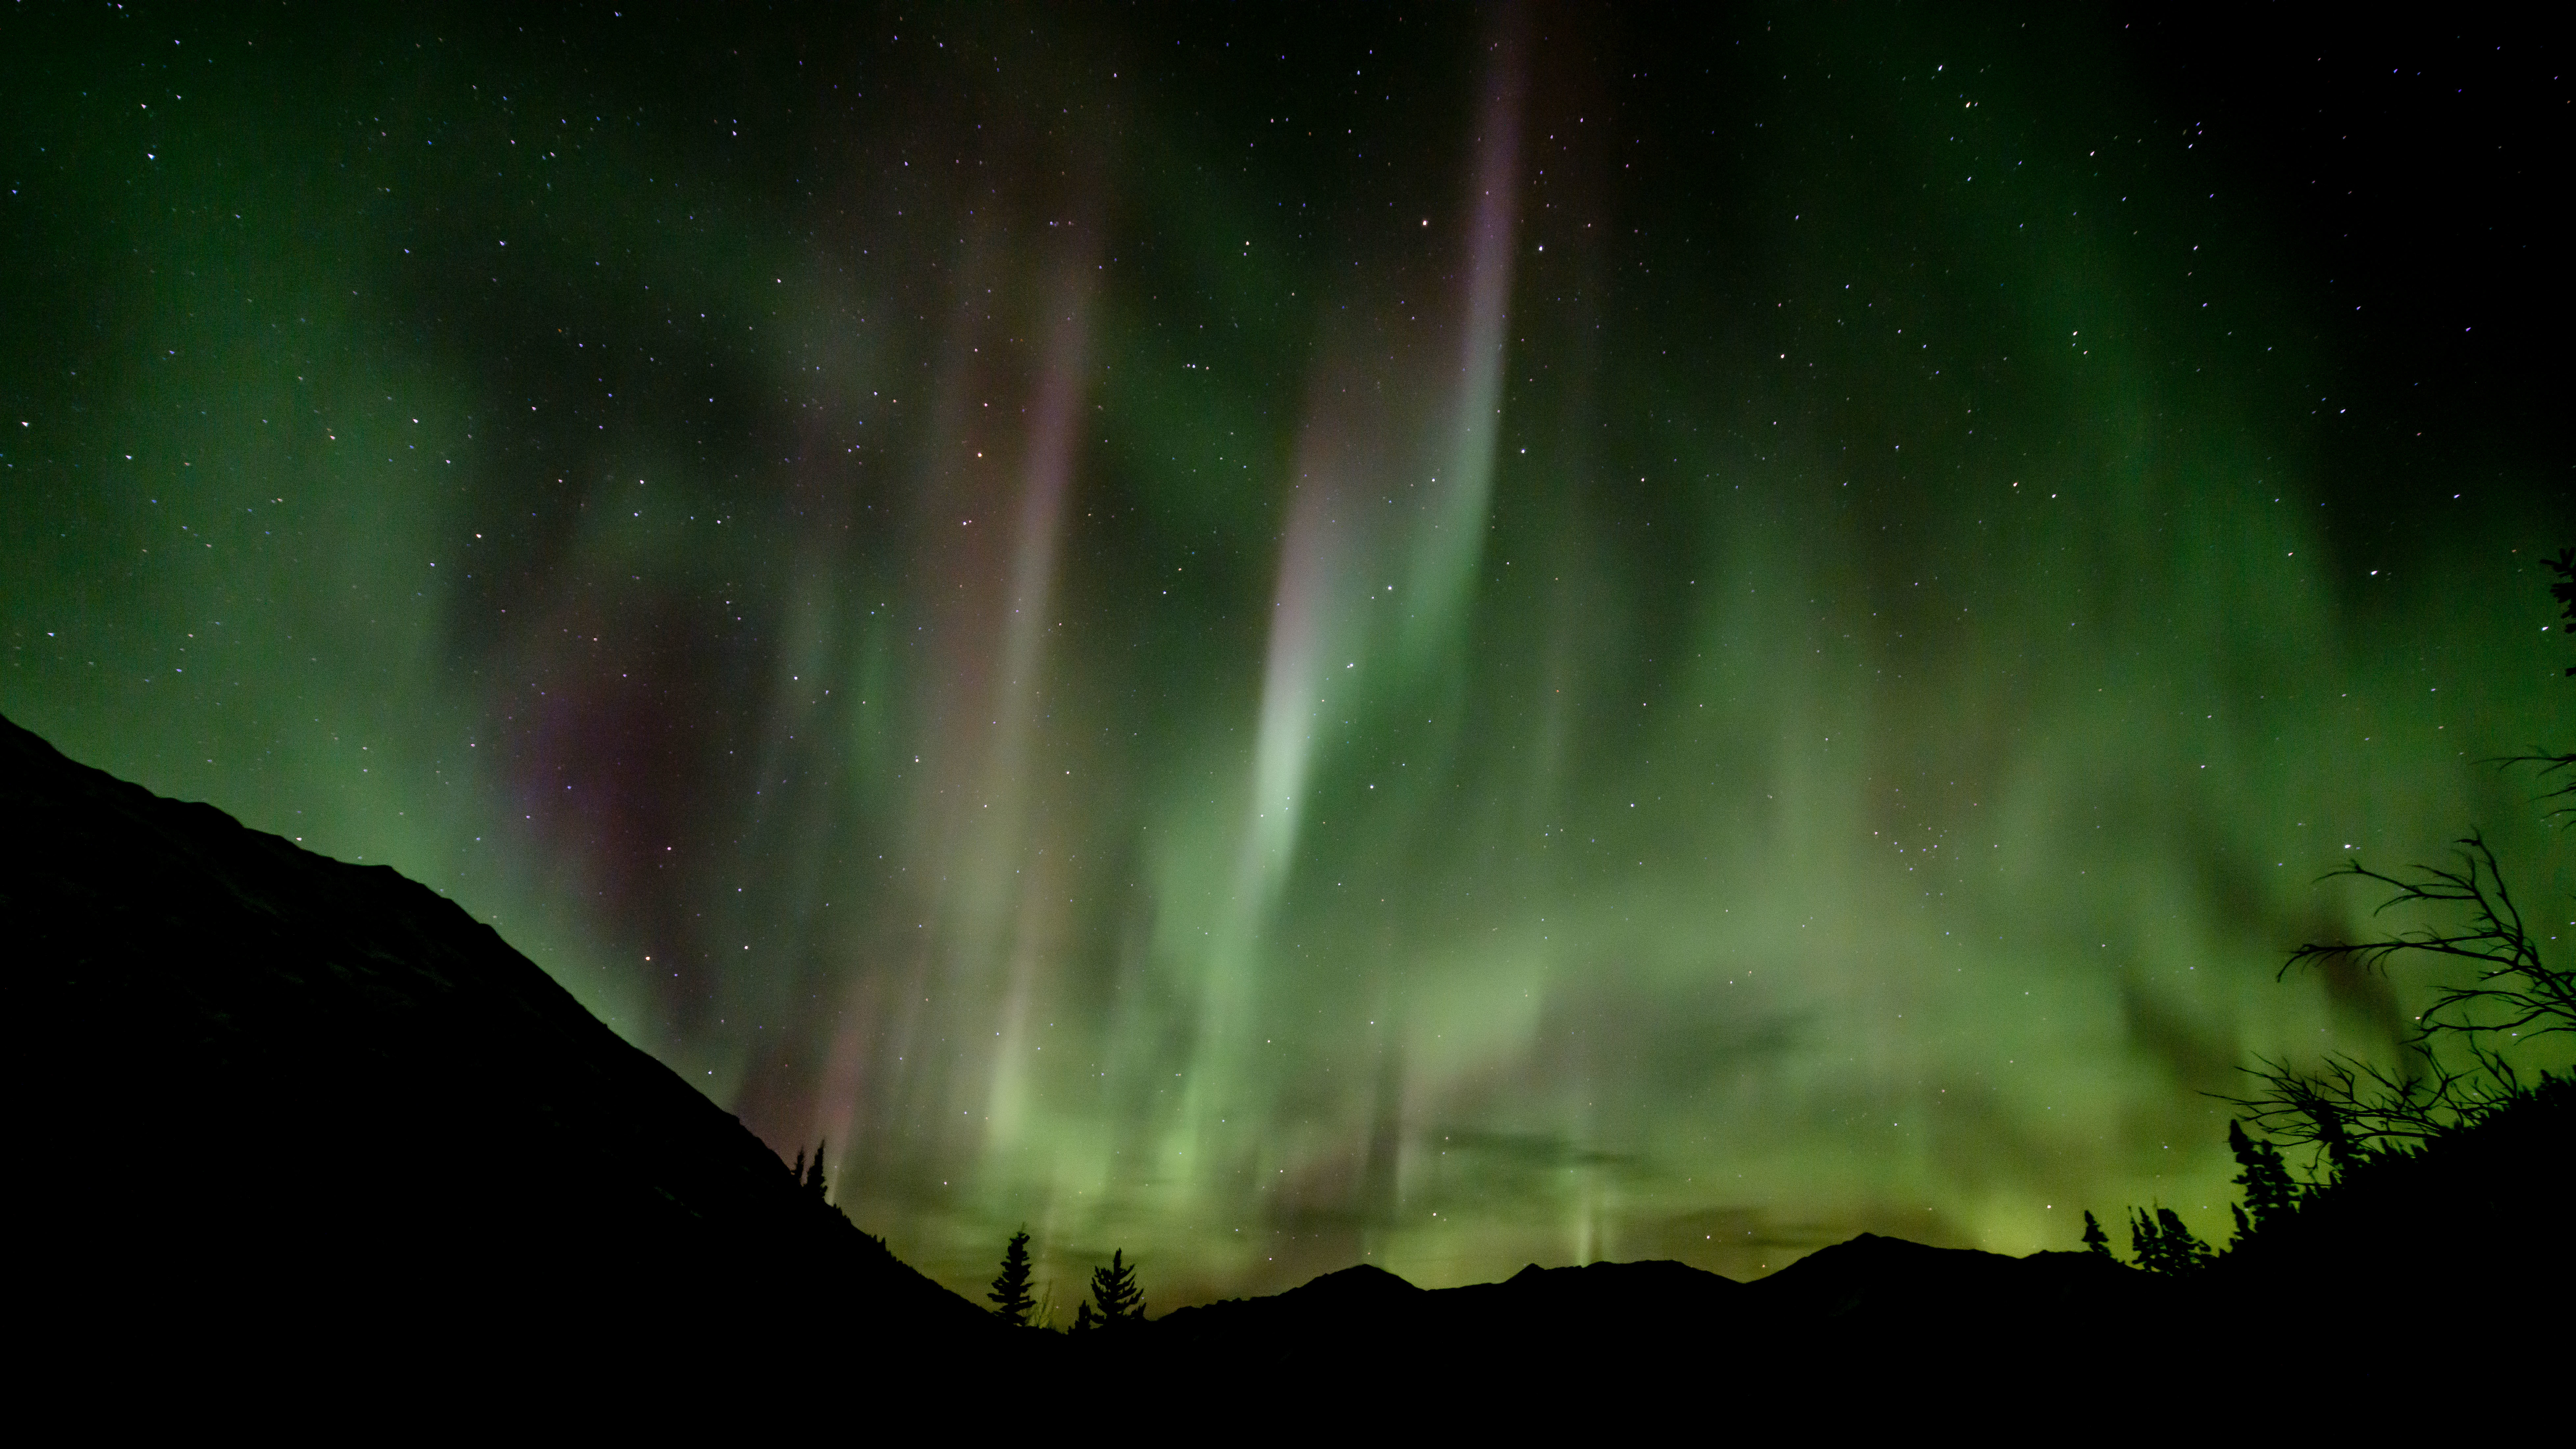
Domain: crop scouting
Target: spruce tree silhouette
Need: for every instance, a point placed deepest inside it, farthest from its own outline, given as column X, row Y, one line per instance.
column 1116, row 1301
column 813, row 1176
column 2163, row 1244
column 1082, row 1317
column 2096, row 1241
column 2270, row 1193
column 1010, row 1295
column 2187, row 1251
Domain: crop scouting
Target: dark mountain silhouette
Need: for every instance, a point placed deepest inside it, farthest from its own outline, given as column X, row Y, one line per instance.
column 1892, row 1286
column 274, row 1093
column 1876, row 1311
column 300, row 1118
column 315, row 1102
column 1332, row 1306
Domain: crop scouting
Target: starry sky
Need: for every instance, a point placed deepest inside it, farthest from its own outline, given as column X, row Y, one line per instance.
column 1439, row 636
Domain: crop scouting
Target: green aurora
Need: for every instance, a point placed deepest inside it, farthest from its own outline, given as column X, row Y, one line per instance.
column 1452, row 638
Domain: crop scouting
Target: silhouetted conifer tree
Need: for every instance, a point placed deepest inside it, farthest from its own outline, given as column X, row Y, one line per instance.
column 813, row 1177
column 1082, row 1317
column 2270, row 1193
column 1010, row 1295
column 2096, row 1241
column 1115, row 1299
column 2187, row 1251
column 2163, row 1244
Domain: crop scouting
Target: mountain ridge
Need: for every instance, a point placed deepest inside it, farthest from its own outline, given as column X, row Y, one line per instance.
column 366, row 1104
column 284, row 1105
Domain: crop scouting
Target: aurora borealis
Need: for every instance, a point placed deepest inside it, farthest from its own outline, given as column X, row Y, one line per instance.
column 1454, row 637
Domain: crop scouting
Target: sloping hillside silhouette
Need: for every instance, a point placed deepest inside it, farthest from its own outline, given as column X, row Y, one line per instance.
column 278, row 1094
column 2478, row 1210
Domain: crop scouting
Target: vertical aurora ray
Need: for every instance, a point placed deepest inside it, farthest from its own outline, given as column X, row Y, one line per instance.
column 1037, row 924
column 1292, row 703
column 1321, row 612
column 1452, row 543
column 1467, row 642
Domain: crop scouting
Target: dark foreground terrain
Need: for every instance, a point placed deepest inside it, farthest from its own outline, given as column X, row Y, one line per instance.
column 282, row 1099
column 289, row 1119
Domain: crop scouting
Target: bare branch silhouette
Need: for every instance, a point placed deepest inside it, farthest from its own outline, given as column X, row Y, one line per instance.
column 2346, row 1107
column 2516, row 993
column 2549, row 765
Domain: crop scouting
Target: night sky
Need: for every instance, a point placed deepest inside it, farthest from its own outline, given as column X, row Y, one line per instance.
column 1444, row 637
